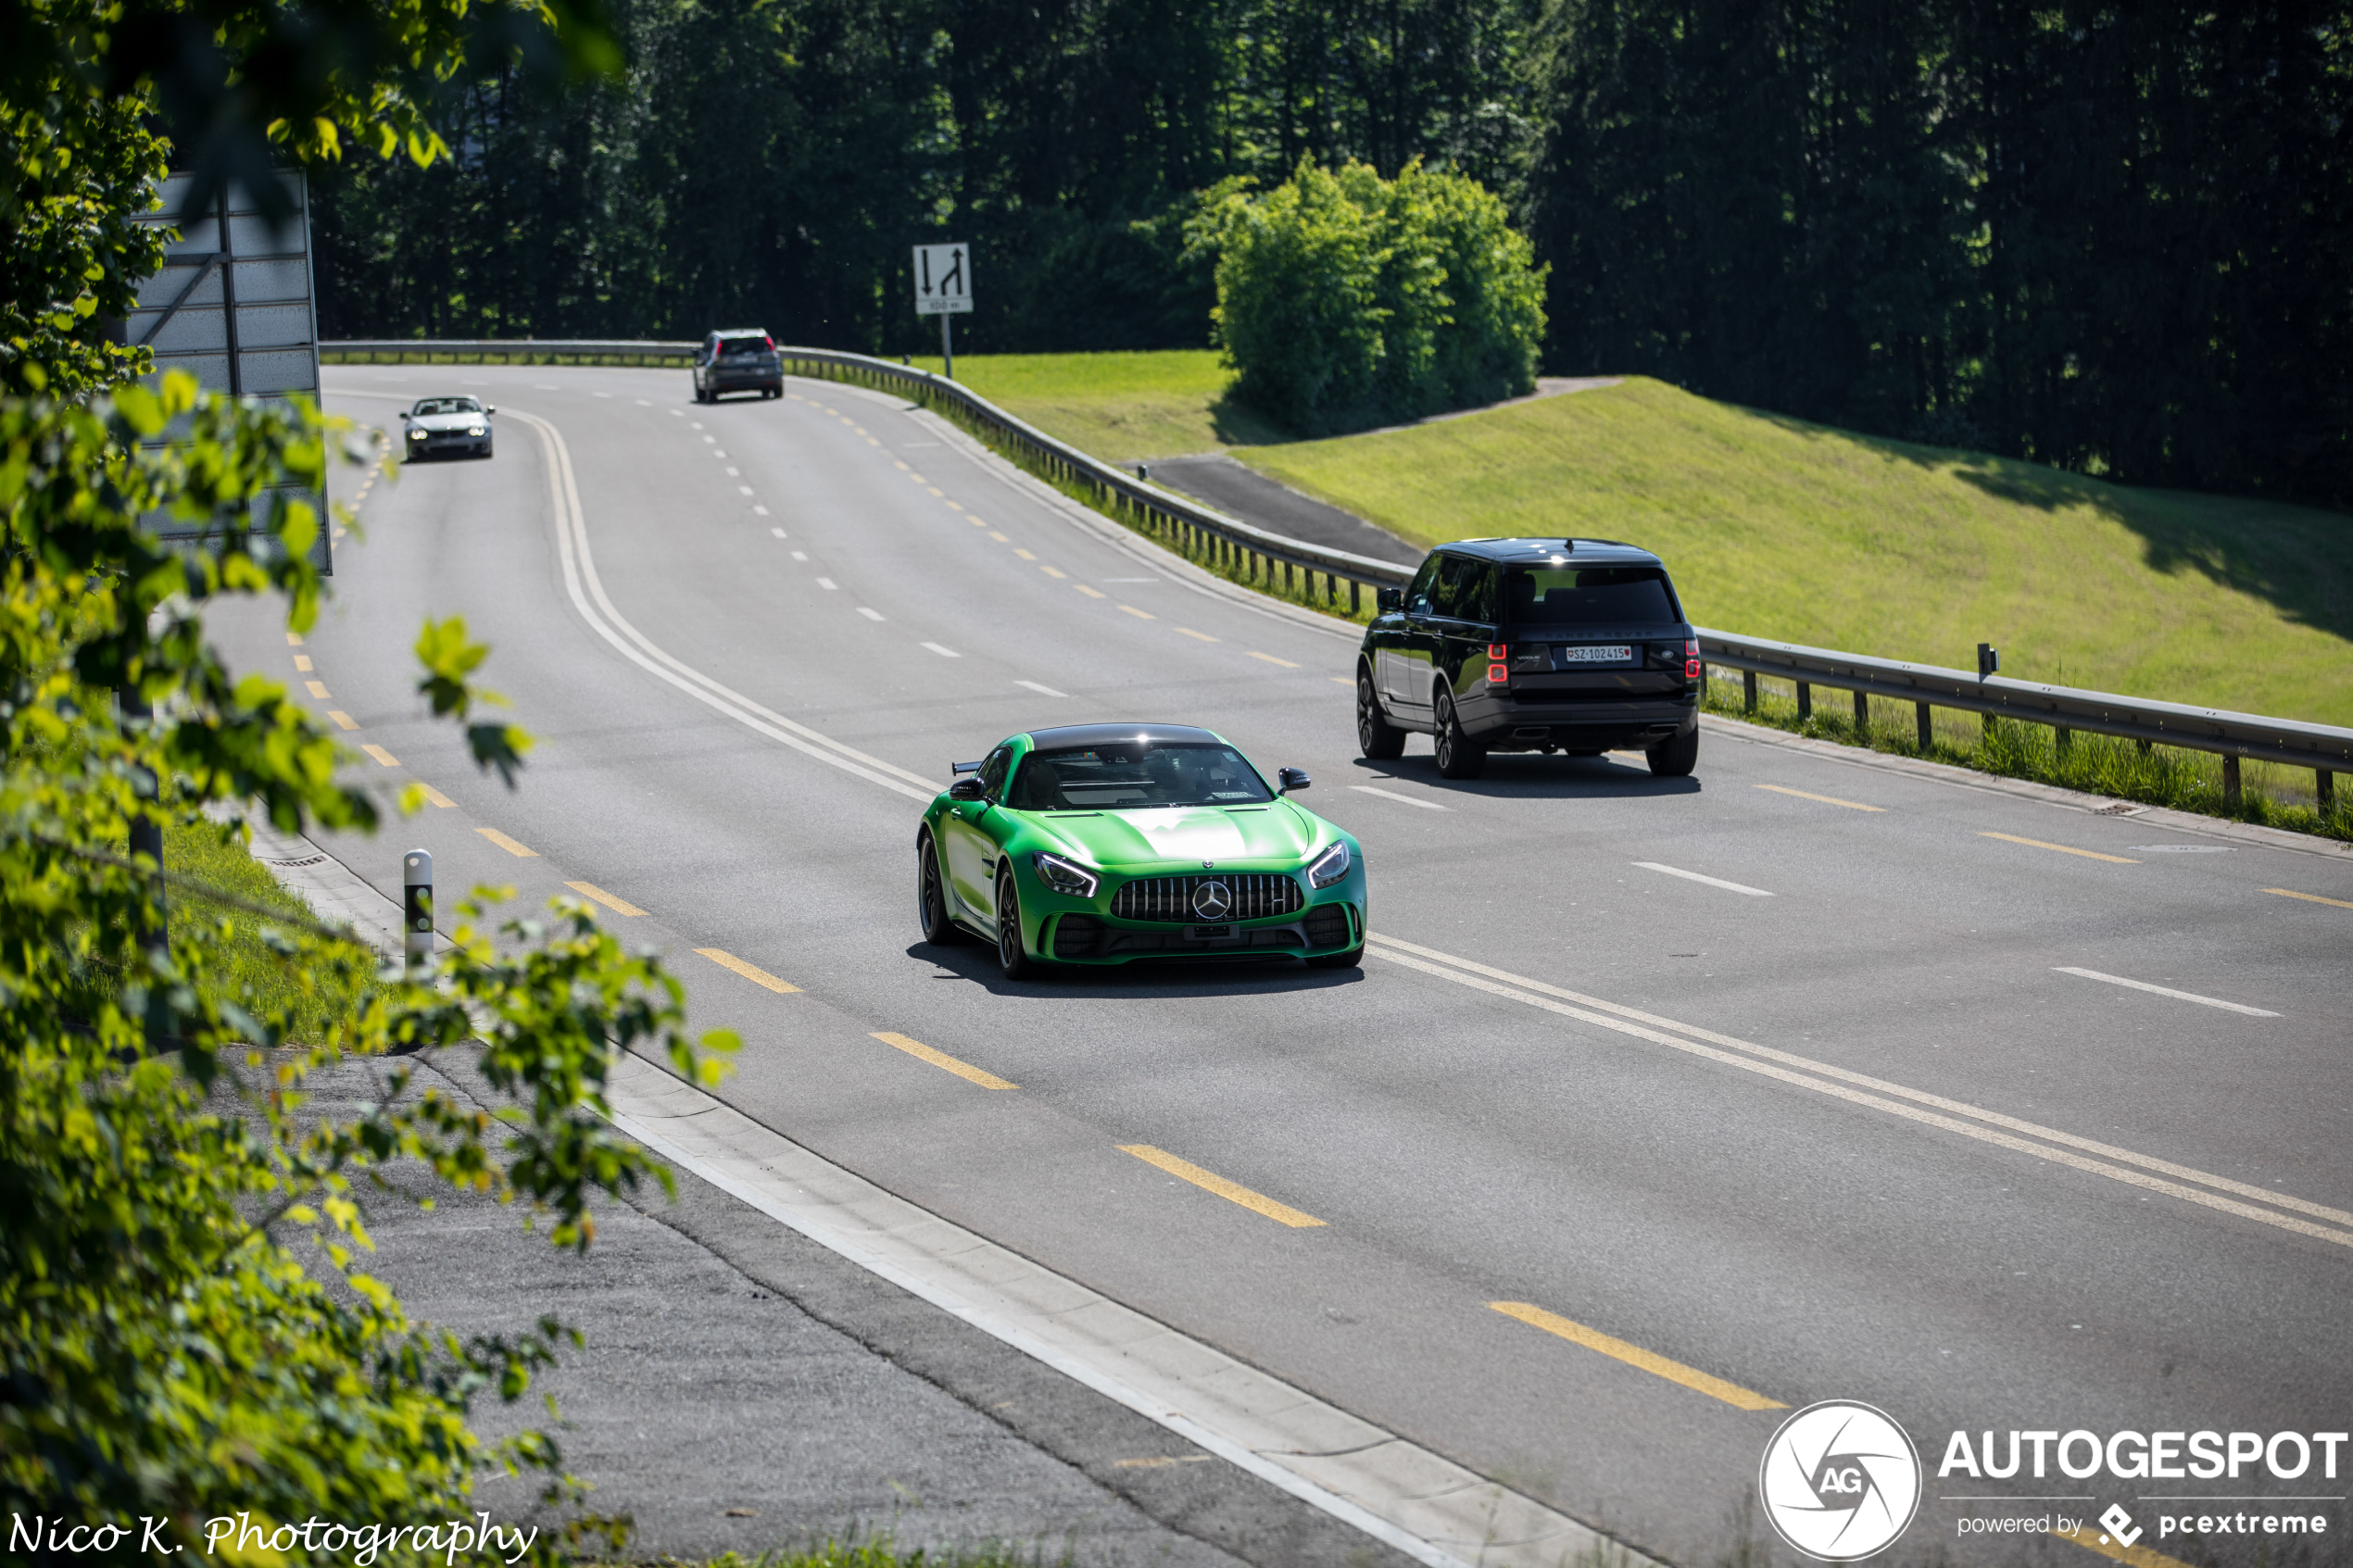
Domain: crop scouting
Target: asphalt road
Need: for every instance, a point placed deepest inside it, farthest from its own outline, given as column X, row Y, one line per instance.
column 2104, row 1258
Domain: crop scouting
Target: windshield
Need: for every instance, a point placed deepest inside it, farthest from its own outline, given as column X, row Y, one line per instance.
column 445, row 406
column 731, row 346
column 1135, row 778
column 1587, row 595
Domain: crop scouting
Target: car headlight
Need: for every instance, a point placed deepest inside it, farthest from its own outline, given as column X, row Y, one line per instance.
column 1330, row 867
column 474, row 429
column 416, row 432
column 1066, row 876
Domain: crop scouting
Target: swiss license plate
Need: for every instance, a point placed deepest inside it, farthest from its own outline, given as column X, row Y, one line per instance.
column 1598, row 653
column 1210, row 932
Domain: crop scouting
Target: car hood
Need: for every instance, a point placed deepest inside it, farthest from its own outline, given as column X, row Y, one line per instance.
column 447, row 421
column 1187, row 833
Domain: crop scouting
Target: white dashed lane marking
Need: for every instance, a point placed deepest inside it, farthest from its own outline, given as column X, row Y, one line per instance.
column 2169, row 991
column 1711, row 881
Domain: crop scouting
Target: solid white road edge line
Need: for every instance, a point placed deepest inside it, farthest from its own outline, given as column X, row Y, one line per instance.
column 582, row 583
column 1711, row 881
column 1040, row 690
column 1392, row 795
column 2169, row 991
column 1591, row 1009
column 1424, row 1506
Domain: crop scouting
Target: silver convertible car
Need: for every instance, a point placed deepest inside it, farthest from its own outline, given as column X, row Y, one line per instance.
column 447, row 424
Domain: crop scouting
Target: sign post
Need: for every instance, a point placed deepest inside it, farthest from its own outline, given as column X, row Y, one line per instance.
column 943, row 288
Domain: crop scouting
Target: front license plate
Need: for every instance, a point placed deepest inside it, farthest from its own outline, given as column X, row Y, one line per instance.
column 1598, row 653
column 1210, row 932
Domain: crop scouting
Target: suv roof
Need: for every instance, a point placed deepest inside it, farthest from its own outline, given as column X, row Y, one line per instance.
column 1597, row 552
column 741, row 332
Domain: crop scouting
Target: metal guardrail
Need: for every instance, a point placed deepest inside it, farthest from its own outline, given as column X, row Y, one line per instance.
column 2324, row 749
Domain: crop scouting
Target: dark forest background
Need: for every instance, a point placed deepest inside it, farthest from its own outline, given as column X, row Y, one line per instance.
column 2118, row 238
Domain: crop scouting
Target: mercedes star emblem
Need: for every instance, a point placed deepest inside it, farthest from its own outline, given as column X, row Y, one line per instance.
column 1213, row 901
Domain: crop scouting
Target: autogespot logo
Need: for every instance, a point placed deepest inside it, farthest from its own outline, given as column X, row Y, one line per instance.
column 1839, row 1481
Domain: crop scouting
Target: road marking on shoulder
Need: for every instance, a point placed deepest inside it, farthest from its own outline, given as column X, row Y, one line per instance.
column 1139, row 614
column 1043, row 691
column 1392, row 795
column 1825, row 799
column 1090, row 593
column 944, row 653
column 2310, row 898
column 922, row 1052
column 434, row 796
column 1233, row 1191
column 1272, row 660
column 1766, row 1061
column 614, row 902
column 870, row 614
column 509, row 844
column 383, row 759
column 1201, row 637
column 2167, row 991
column 756, row 976
column 1635, row 1356
column 319, row 689
column 829, row 584
column 1711, row 881
column 343, row 719
column 2062, row 849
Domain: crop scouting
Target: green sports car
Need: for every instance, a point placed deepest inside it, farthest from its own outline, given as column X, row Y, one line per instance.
column 1103, row 844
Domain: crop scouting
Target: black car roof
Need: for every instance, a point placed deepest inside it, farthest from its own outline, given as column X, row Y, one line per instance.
column 1106, row 734
column 1595, row 552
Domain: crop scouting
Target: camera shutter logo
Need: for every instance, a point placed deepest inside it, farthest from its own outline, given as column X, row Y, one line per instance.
column 1839, row 1481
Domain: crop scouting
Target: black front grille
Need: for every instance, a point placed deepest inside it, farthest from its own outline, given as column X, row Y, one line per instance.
column 1251, row 895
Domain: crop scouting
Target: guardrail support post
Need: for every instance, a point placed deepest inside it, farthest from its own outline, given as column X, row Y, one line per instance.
column 1804, row 702
column 1748, row 691
column 2062, row 740
column 2325, row 790
column 1355, row 597
column 1863, row 712
column 2229, row 779
column 1928, row 727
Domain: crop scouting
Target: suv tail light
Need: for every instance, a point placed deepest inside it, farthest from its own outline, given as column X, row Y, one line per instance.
column 1690, row 660
column 1497, row 672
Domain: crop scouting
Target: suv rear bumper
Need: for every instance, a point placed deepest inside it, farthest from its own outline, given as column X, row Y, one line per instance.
column 1578, row 726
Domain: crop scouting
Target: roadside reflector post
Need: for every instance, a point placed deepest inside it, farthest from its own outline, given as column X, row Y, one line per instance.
column 1928, row 729
column 1863, row 712
column 1748, row 691
column 416, row 909
column 1804, row 702
column 2229, row 779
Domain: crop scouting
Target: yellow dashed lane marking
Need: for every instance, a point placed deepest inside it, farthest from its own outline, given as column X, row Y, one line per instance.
column 302, row 663
column 757, row 976
column 1209, row 1181
column 2061, row 848
column 998, row 537
column 293, row 639
column 1139, row 614
column 1090, row 593
column 318, row 688
column 1272, row 660
column 383, row 757
column 1053, row 571
column 1024, row 554
column 1203, row 636
column 2308, row 897
column 509, row 844
column 1635, row 1356
column 1342, row 680
column 1825, row 799
column 617, row 905
column 435, row 796
column 342, row 719
column 922, row 1052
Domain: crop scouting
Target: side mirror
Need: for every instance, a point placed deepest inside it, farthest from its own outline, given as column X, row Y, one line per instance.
column 1389, row 601
column 490, row 407
column 1293, row 778
column 964, row 789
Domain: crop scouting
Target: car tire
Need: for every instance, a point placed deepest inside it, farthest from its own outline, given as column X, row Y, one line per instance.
column 1352, row 959
column 931, row 896
column 1677, row 757
column 1011, row 956
column 1377, row 738
column 1459, row 756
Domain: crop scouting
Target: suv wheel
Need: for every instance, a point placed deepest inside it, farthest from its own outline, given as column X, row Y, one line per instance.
column 1459, row 756
column 1677, row 757
column 1377, row 738
column 1010, row 955
column 931, row 897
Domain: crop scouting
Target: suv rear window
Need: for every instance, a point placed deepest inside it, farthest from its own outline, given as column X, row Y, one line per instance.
column 730, row 346
column 1587, row 595
column 1096, row 778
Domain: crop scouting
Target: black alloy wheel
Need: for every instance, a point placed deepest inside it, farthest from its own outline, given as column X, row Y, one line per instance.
column 1377, row 738
column 1010, row 955
column 1677, row 757
column 931, row 897
column 1459, row 756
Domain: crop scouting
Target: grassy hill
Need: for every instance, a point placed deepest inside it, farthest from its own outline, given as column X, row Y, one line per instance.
column 1778, row 528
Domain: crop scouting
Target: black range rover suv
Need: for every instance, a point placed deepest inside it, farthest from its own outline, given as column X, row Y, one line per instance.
column 1577, row 645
